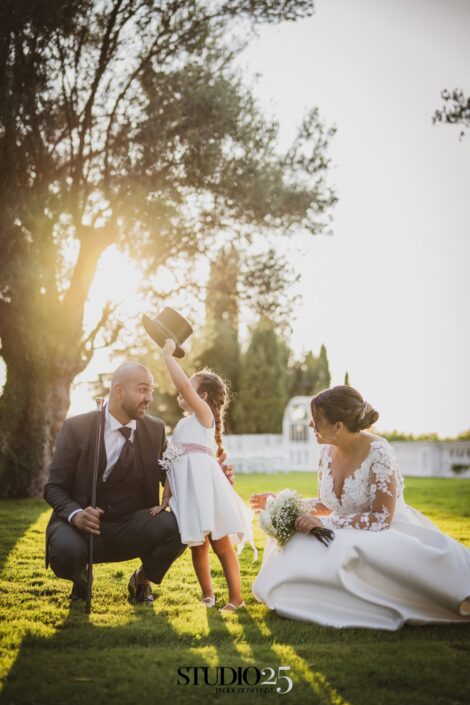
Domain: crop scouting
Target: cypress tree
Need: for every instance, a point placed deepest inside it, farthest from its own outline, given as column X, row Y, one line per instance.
column 263, row 383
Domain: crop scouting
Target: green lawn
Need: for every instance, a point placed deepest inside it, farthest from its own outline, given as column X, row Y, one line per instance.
column 52, row 653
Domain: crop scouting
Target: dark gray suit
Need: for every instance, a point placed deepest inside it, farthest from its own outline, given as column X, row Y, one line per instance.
column 154, row 539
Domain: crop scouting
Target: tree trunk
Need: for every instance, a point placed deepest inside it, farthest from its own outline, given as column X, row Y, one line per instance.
column 32, row 409
column 43, row 349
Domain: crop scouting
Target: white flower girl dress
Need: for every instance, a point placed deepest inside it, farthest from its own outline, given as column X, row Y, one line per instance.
column 203, row 500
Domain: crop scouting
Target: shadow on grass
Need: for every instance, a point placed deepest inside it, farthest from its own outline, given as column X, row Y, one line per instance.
column 16, row 517
column 132, row 654
column 135, row 662
column 138, row 662
column 278, row 661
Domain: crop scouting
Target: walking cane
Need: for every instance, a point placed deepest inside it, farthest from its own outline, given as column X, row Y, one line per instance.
column 89, row 580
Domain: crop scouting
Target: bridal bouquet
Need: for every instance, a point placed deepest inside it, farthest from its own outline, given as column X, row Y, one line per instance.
column 278, row 518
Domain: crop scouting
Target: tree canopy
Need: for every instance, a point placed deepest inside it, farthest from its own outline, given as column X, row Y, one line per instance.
column 125, row 122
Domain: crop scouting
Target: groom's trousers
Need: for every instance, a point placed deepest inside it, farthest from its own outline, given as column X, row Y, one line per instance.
column 153, row 539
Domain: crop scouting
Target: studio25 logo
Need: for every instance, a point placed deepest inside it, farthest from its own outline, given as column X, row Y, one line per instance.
column 274, row 680
column 241, row 679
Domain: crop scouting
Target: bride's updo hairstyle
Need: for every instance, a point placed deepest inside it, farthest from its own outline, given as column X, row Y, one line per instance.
column 344, row 403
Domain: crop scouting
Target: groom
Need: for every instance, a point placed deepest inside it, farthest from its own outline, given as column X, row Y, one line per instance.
column 128, row 486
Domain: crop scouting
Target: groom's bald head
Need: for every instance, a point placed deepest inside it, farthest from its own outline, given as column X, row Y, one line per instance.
column 131, row 391
column 128, row 372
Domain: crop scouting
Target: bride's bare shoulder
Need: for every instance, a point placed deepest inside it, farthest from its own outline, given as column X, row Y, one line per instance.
column 374, row 437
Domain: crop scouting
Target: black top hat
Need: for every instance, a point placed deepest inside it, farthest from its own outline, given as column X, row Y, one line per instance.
column 168, row 324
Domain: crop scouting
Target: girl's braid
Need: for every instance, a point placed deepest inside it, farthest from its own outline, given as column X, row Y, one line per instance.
column 217, row 398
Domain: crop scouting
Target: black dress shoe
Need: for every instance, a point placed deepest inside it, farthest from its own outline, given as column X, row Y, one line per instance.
column 140, row 594
column 79, row 587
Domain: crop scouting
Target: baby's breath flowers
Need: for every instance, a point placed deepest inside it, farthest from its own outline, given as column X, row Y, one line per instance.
column 278, row 518
column 172, row 454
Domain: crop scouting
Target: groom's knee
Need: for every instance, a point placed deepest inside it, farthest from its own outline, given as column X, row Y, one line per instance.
column 164, row 546
column 163, row 529
column 157, row 562
column 67, row 552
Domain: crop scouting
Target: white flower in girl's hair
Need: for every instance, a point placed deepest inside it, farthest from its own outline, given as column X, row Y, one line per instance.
column 172, row 454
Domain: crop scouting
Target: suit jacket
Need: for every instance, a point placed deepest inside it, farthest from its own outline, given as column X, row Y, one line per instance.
column 69, row 484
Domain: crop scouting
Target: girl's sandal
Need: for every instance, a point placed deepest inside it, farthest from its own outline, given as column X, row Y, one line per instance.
column 230, row 607
column 208, row 601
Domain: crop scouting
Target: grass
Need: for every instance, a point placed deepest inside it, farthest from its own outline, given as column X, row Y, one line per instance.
column 52, row 653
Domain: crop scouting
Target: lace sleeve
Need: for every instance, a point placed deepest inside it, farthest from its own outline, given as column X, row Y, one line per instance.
column 313, row 505
column 384, row 486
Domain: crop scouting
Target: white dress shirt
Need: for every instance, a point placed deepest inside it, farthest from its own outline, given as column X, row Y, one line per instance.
column 113, row 443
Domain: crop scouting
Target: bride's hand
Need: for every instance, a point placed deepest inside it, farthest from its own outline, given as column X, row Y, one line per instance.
column 258, row 501
column 306, row 522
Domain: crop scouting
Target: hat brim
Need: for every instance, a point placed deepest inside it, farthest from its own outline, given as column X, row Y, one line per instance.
column 159, row 336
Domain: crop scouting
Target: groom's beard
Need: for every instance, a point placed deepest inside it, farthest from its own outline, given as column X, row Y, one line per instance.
column 133, row 410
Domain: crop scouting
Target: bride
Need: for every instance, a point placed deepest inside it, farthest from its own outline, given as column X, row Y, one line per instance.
column 388, row 564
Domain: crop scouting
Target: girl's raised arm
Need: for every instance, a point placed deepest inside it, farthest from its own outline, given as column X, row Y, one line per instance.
column 181, row 381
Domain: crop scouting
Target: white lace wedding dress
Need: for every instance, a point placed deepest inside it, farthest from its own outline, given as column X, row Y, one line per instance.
column 387, row 565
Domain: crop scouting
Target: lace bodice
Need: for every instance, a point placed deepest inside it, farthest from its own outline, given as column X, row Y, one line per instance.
column 369, row 494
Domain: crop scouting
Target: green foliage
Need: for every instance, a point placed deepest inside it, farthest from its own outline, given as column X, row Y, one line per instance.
column 459, row 468
column 51, row 652
column 464, row 436
column 266, row 285
column 219, row 348
column 310, row 375
column 262, row 394
column 402, row 436
column 263, row 283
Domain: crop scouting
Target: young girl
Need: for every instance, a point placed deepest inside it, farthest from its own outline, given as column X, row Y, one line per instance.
column 206, row 507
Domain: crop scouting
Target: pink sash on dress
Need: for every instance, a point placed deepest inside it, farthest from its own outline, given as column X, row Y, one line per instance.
column 196, row 448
